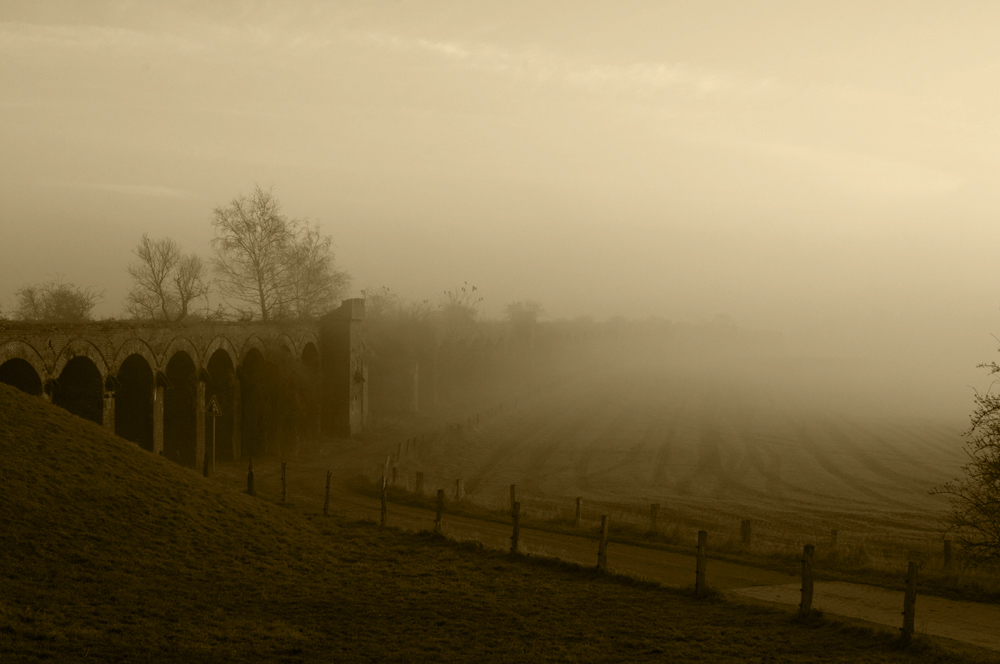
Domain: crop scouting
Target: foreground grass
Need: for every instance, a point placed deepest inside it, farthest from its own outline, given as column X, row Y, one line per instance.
column 110, row 554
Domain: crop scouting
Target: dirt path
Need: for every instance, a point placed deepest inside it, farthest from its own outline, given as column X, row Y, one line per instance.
column 968, row 622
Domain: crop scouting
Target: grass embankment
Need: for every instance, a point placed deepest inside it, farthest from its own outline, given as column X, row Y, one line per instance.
column 111, row 554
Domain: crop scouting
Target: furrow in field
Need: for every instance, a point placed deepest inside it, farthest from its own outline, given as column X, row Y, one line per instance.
column 567, row 437
column 873, row 465
column 846, row 478
column 626, row 428
column 902, row 449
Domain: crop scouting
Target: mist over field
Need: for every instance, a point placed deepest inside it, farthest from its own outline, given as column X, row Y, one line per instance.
column 363, row 329
column 823, row 173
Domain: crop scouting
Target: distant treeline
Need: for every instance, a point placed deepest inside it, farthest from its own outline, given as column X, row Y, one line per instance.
column 422, row 357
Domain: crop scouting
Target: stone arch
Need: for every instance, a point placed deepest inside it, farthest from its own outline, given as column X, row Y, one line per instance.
column 18, row 373
column 135, row 346
column 312, row 370
column 220, row 343
column 252, row 341
column 221, row 384
column 134, row 398
column 24, row 351
column 284, row 340
column 307, row 338
column 80, row 388
column 309, row 353
column 180, row 344
column 255, row 425
column 78, row 347
column 180, row 399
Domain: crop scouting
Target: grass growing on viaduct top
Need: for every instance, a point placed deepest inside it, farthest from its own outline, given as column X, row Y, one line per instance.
column 111, row 554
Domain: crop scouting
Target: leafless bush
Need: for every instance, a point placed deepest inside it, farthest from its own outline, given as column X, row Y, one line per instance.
column 55, row 301
column 974, row 516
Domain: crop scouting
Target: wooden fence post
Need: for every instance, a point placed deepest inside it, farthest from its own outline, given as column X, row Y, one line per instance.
column 654, row 510
column 250, row 488
column 746, row 531
column 602, row 547
column 947, row 553
column 394, row 469
column 513, row 497
column 420, row 484
column 576, row 521
column 516, row 511
column 910, row 602
column 833, row 538
column 326, row 501
column 283, row 493
column 805, row 606
column 701, row 564
column 440, row 511
column 459, row 490
column 385, row 509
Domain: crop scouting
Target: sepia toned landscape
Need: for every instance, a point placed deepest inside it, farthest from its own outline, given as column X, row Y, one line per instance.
column 522, row 332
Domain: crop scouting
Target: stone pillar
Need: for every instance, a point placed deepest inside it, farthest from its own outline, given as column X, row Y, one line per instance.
column 158, row 420
column 364, row 400
column 108, row 417
column 237, row 421
column 199, row 426
column 344, row 380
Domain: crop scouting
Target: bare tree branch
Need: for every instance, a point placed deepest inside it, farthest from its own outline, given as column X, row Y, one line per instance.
column 270, row 266
column 974, row 516
column 165, row 281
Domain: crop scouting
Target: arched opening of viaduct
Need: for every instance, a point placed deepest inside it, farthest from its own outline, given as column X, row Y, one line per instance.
column 179, row 410
column 310, row 422
column 255, row 425
column 134, row 402
column 221, row 383
column 80, row 389
column 19, row 373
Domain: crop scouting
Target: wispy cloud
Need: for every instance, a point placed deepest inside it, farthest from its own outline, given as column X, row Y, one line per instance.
column 540, row 65
column 153, row 191
column 25, row 37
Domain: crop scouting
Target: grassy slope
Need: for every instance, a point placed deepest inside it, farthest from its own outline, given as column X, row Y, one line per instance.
column 112, row 554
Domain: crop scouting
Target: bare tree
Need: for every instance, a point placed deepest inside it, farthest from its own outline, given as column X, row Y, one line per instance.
column 269, row 265
column 459, row 310
column 55, row 301
column 166, row 282
column 251, row 240
column 314, row 283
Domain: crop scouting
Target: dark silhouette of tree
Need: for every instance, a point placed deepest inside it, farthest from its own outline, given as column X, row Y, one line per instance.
column 974, row 516
column 166, row 282
column 56, row 302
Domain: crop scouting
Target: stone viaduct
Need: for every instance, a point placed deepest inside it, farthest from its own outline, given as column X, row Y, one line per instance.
column 151, row 383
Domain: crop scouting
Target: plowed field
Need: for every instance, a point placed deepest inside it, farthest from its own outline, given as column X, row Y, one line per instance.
column 710, row 453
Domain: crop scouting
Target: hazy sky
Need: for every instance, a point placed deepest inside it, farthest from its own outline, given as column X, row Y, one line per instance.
column 828, row 170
